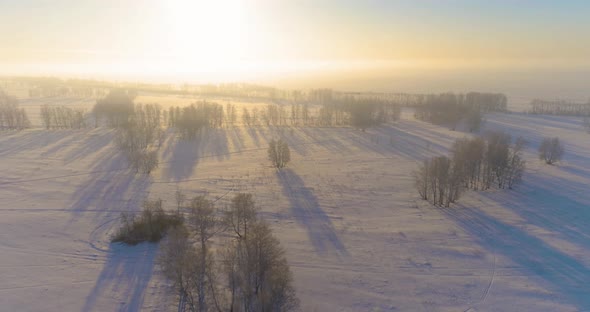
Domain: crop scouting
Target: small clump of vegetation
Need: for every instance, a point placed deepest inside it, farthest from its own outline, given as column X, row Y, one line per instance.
column 150, row 226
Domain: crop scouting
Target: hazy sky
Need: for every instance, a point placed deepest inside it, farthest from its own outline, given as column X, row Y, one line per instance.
column 244, row 38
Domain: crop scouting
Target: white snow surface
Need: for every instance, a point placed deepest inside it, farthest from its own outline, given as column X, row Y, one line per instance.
column 345, row 209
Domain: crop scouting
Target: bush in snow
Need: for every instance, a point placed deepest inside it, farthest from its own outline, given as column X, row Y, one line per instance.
column 151, row 225
column 551, row 150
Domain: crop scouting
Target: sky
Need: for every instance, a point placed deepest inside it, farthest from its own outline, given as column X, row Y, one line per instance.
column 249, row 39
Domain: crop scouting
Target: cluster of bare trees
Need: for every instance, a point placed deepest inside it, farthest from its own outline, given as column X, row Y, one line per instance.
column 551, row 150
column 11, row 115
column 115, row 109
column 62, row 117
column 190, row 120
column 493, row 160
column 438, row 181
column 559, row 107
column 132, row 141
column 477, row 164
column 139, row 141
column 139, row 131
column 368, row 112
column 450, row 108
column 247, row 273
column 279, row 153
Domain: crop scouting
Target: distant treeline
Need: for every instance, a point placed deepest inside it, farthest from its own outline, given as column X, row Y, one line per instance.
column 12, row 117
column 450, row 108
column 345, row 111
column 560, row 108
column 190, row 120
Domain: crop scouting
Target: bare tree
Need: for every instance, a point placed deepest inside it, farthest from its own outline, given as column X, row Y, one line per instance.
column 205, row 223
column 551, row 150
column 421, row 178
column 180, row 197
column 241, row 215
column 175, row 256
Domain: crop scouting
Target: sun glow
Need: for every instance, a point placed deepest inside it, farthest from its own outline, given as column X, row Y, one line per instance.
column 204, row 35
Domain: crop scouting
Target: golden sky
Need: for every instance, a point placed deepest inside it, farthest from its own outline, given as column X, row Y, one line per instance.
column 246, row 39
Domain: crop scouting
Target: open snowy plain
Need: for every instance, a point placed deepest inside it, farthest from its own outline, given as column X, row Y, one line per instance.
column 357, row 236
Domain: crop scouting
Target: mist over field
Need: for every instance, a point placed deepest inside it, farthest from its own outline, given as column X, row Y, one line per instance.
column 260, row 155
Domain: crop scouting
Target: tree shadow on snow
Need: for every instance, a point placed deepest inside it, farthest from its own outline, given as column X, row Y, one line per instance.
column 23, row 142
column 93, row 142
column 308, row 213
column 182, row 156
column 553, row 204
column 110, row 189
column 124, row 278
column 562, row 272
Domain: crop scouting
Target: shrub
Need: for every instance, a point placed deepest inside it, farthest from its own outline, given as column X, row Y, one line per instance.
column 551, row 150
column 151, row 225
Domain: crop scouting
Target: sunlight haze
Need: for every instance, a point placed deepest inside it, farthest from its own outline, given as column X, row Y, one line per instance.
column 281, row 42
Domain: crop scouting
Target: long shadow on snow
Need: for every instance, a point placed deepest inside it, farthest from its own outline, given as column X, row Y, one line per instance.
column 406, row 144
column 564, row 273
column 308, row 213
column 552, row 204
column 110, row 189
column 183, row 155
column 93, row 142
column 124, row 277
column 32, row 140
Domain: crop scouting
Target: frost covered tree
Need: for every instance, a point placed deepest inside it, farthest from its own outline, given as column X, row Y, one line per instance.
column 551, row 150
column 279, row 153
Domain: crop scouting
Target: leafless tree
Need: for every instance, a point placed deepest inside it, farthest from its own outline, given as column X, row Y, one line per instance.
column 241, row 214
column 205, row 224
column 180, row 197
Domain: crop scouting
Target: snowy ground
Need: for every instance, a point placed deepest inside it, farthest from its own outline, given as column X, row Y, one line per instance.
column 356, row 235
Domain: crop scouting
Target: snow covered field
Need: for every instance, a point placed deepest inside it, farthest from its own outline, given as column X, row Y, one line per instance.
column 345, row 209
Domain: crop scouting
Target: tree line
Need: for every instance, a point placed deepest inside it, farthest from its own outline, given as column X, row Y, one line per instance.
column 62, row 117
column 346, row 111
column 449, row 108
column 477, row 164
column 559, row 107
